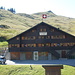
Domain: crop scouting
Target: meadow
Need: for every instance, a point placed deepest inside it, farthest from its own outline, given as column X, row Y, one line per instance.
column 35, row 70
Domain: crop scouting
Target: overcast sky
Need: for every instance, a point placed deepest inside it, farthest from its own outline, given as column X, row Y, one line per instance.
column 59, row 7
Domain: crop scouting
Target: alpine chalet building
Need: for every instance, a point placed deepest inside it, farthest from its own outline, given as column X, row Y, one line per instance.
column 42, row 42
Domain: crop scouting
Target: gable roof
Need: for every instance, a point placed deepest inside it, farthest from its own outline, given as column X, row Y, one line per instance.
column 42, row 23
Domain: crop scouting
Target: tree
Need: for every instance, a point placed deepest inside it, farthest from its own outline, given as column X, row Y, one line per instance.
column 12, row 10
column 1, row 7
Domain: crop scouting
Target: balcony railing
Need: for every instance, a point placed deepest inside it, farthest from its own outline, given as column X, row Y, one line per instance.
column 31, row 49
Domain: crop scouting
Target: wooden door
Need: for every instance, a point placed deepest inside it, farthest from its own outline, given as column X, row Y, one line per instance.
column 22, row 56
column 29, row 55
column 15, row 55
column 63, row 54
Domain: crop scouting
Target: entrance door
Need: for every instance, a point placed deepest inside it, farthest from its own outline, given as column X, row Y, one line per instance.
column 35, row 55
column 28, row 55
column 15, row 55
column 63, row 54
column 22, row 56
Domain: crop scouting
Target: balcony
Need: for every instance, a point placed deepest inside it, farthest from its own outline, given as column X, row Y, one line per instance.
column 40, row 49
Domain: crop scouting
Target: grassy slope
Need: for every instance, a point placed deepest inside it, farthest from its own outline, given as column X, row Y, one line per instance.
column 21, row 70
column 68, row 70
column 16, row 23
column 26, row 70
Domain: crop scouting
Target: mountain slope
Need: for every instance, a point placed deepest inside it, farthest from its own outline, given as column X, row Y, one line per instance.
column 15, row 23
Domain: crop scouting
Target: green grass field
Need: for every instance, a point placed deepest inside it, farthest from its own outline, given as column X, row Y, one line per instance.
column 36, row 70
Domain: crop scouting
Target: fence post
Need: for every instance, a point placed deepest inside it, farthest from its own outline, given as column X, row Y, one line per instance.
column 52, row 69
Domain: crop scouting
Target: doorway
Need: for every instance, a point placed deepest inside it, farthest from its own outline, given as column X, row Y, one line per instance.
column 29, row 55
column 63, row 54
column 35, row 55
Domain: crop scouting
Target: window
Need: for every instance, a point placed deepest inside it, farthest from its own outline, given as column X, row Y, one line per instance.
column 43, row 54
column 42, row 45
column 42, row 30
column 17, row 38
column 47, row 37
column 34, row 45
column 29, row 45
column 61, row 44
column 54, row 44
column 64, row 36
column 14, row 45
column 41, row 37
column 64, row 44
column 47, row 44
column 52, row 30
column 44, row 37
column 61, row 36
column 23, row 38
column 33, row 30
column 29, row 38
column 67, row 44
column 18, row 45
column 39, row 45
column 22, row 45
column 33, row 37
column 58, row 37
column 26, row 38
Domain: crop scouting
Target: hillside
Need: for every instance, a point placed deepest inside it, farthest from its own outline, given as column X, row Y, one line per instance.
column 13, row 24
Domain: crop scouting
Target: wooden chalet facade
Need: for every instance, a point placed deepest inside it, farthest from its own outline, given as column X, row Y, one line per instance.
column 42, row 42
